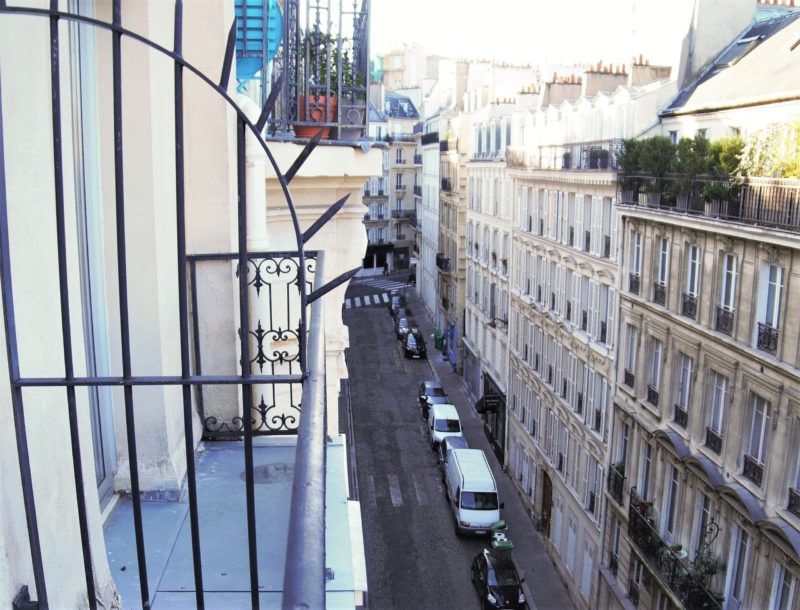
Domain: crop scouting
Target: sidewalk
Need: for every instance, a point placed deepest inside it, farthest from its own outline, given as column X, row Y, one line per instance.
column 543, row 587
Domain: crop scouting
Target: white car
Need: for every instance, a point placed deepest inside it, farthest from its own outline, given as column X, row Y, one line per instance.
column 443, row 421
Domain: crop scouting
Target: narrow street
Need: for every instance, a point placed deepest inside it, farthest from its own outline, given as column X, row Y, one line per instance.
column 414, row 559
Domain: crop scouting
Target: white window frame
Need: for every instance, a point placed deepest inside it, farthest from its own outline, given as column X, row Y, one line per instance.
column 719, row 399
column 636, row 254
column 685, row 377
column 693, row 270
column 655, row 364
column 662, row 274
column 784, row 589
column 736, row 585
column 758, row 441
column 728, row 288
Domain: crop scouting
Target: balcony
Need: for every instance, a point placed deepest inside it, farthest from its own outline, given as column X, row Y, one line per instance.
column 584, row 320
column 400, row 237
column 418, row 190
column 306, row 99
column 753, row 470
column 613, row 563
column 443, row 263
column 430, row 138
column 603, row 331
column 724, row 321
column 400, row 188
column 794, row 502
column 768, row 202
column 606, row 246
column 412, row 220
column 417, row 159
column 689, row 306
column 571, row 237
column 628, row 378
column 663, row 562
column 660, row 294
column 633, row 592
column 553, row 301
column 587, row 241
column 401, row 138
column 447, row 185
column 713, row 441
column 633, row 283
column 596, row 155
column 652, row 395
column 444, row 146
column 616, row 483
column 767, row 338
column 681, row 416
column 402, row 214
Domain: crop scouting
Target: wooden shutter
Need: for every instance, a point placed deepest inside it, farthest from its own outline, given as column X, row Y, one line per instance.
column 597, row 226
column 594, row 319
column 578, row 221
column 614, row 229
column 611, row 318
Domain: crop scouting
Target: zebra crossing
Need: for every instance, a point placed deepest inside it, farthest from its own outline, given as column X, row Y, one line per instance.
column 366, row 300
column 378, row 282
column 386, row 490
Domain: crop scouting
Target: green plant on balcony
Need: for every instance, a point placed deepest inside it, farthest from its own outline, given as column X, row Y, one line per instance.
column 619, row 468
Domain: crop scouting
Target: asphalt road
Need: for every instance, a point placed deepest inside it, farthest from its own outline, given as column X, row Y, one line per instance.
column 414, row 559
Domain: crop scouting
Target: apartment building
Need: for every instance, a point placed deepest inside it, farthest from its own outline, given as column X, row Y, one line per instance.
column 378, row 219
column 147, row 250
column 563, row 299
column 705, row 451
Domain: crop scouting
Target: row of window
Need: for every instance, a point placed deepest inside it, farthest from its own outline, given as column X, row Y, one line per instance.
column 589, row 306
column 584, row 222
column 486, row 194
column 491, row 345
column 492, row 138
column 724, row 289
column 485, row 294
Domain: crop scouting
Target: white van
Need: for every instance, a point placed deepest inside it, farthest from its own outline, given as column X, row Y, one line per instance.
column 471, row 491
column 442, row 422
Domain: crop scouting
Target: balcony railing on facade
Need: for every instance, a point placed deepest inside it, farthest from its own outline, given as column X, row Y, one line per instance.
column 322, row 71
column 418, row 190
column 689, row 306
column 374, row 193
column 443, row 263
column 599, row 155
column 753, row 469
column 400, row 138
column 767, row 338
column 369, row 217
column 660, row 294
column 663, row 561
column 417, row 159
column 769, row 202
column 400, row 188
column 724, row 322
column 713, row 440
column 629, row 378
column 418, row 127
column 412, row 220
column 680, row 415
column 447, row 185
column 402, row 214
column 794, row 501
column 633, row 283
column 429, row 138
column 444, row 146
column 616, row 483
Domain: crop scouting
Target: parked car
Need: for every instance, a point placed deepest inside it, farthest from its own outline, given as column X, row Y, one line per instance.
column 496, row 579
column 433, row 400
column 443, row 421
column 414, row 346
column 402, row 325
column 448, row 443
column 396, row 301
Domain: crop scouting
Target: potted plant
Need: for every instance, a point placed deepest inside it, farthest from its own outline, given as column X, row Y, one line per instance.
column 567, row 160
column 316, row 102
column 353, row 93
column 602, row 158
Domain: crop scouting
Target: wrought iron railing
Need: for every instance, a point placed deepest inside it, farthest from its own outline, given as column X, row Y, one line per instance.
column 769, row 202
column 689, row 306
column 587, row 241
column 443, row 263
column 321, row 71
column 418, row 190
column 606, row 246
column 652, row 395
column 753, row 470
column 794, row 501
column 430, row 138
column 633, row 592
column 599, row 155
column 447, row 185
column 571, row 237
column 724, row 320
column 613, row 563
column 681, row 416
column 713, row 440
column 660, row 294
column 767, row 338
column 401, row 214
column 603, row 331
column 633, row 283
column 628, row 378
column 663, row 562
column 616, row 483
column 444, row 146
column 417, row 159
column 412, row 220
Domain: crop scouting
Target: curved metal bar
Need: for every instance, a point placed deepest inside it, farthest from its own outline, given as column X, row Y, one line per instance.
column 116, row 28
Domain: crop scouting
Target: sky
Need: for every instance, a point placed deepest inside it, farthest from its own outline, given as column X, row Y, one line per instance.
column 533, row 31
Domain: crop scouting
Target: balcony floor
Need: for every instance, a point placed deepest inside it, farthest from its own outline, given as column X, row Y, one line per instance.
column 223, row 534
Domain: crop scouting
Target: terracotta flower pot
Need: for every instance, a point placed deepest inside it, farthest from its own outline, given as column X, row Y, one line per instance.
column 321, row 109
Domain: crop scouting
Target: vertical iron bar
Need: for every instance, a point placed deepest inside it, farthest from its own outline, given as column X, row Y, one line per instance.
column 63, row 280
column 122, row 272
column 20, row 433
column 184, row 312
column 198, row 365
column 244, row 335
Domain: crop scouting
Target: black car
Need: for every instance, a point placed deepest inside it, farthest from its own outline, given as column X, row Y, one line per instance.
column 497, row 581
column 414, row 346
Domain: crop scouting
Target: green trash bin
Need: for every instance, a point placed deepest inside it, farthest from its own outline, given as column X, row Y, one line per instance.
column 438, row 340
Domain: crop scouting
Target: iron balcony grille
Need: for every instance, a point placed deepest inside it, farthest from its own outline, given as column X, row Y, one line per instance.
column 587, row 241
column 753, row 470
column 606, row 246
column 579, row 404
column 603, row 331
column 681, row 416
column 662, row 561
column 689, row 306
column 767, row 338
column 770, row 202
column 616, row 483
column 584, row 320
column 571, row 237
column 724, row 321
column 569, row 310
column 598, row 420
column 599, row 155
column 633, row 283
column 297, row 365
column 443, row 263
column 660, row 294
column 417, row 159
column 613, row 563
column 429, row 138
column 652, row 395
column 628, row 378
column 418, row 190
column 447, row 185
column 713, row 440
column 633, row 592
column 794, row 501
column 444, row 146
column 552, row 300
